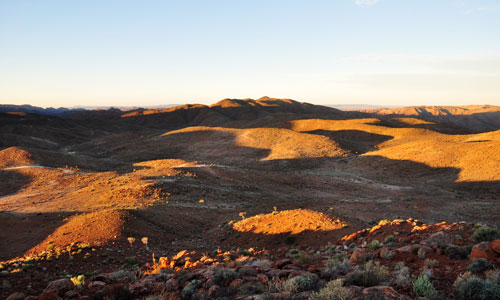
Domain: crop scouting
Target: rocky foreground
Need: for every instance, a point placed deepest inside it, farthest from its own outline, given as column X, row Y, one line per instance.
column 400, row 259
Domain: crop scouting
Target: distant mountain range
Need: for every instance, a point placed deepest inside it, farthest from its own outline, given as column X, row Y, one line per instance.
column 474, row 118
column 477, row 118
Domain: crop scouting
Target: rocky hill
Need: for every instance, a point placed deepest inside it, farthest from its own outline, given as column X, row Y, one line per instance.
column 477, row 118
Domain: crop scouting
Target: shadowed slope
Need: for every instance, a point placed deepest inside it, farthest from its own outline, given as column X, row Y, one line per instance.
column 478, row 161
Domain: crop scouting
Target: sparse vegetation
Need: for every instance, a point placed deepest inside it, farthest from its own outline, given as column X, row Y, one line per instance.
column 223, row 276
column 301, row 283
column 190, row 289
column 484, row 234
column 333, row 291
column 479, row 266
column 423, row 287
column 477, row 288
column 250, row 288
column 456, row 252
column 371, row 274
column 374, row 245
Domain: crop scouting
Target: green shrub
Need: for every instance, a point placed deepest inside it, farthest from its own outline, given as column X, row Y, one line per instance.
column 290, row 240
column 333, row 291
column 462, row 278
column 130, row 260
column 250, row 288
column 423, row 287
column 301, row 283
column 402, row 275
column 247, row 271
column 224, row 276
column 477, row 288
column 484, row 234
column 335, row 267
column 190, row 289
column 479, row 265
column 374, row 245
column 304, row 258
column 389, row 239
column 371, row 274
column 121, row 274
column 493, row 276
column 456, row 252
column 387, row 254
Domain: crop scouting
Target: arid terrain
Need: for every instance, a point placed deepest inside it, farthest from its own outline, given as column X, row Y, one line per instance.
column 92, row 192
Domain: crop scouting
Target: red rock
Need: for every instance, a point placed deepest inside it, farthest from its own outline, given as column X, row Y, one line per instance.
column 96, row 285
column 262, row 278
column 413, row 248
column 49, row 295
column 483, row 250
column 61, row 286
column 16, row 296
column 215, row 291
column 360, row 255
column 495, row 245
column 292, row 267
column 235, row 284
column 439, row 239
column 281, row 263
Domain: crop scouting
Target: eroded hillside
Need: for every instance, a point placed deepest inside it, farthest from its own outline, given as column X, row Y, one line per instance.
column 179, row 176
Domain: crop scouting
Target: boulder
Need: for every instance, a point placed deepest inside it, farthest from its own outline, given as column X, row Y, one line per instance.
column 360, row 255
column 235, row 284
column 61, row 286
column 438, row 239
column 413, row 248
column 495, row 245
column 96, row 285
column 483, row 250
column 281, row 263
column 215, row 291
column 16, row 296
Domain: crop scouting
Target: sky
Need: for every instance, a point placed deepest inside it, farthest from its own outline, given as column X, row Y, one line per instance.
column 140, row 53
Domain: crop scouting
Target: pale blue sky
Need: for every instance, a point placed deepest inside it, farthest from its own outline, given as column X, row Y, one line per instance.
column 386, row 52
